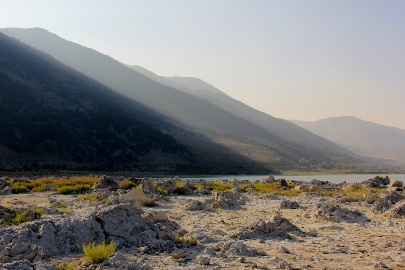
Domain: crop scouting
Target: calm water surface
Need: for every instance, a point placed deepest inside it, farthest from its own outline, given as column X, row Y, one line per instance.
column 334, row 178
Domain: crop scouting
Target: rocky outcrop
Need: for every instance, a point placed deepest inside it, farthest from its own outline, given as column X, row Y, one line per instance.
column 397, row 211
column 336, row 213
column 376, row 182
column 127, row 226
column 387, row 200
column 396, row 185
column 278, row 227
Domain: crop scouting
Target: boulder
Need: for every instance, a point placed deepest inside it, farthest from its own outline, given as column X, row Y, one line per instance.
column 167, row 184
column 194, row 205
column 148, row 187
column 397, row 211
column 106, row 182
column 277, row 263
column 180, row 253
column 376, row 182
column 387, row 200
column 396, row 183
column 3, row 183
column 139, row 197
column 288, row 204
column 227, row 200
column 187, row 189
column 282, row 182
column 6, row 191
column 278, row 227
column 203, row 260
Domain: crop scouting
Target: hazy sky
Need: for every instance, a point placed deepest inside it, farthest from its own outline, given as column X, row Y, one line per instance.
column 301, row 60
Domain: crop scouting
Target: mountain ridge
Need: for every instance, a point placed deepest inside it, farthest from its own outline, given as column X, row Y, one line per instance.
column 362, row 137
column 258, row 137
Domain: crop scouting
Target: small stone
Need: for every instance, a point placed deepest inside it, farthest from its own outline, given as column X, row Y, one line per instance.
column 144, row 249
column 283, row 250
column 380, row 265
column 209, row 251
column 180, row 253
column 242, row 259
column 203, row 260
column 146, row 266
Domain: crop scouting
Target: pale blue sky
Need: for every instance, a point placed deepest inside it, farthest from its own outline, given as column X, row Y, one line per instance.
column 301, row 60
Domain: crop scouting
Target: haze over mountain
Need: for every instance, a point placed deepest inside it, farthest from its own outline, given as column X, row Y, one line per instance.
column 361, row 137
column 54, row 116
column 196, row 106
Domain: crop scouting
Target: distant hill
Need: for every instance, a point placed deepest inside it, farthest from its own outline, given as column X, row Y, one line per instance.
column 193, row 106
column 361, row 137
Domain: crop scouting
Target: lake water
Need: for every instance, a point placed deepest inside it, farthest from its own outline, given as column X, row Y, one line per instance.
column 333, row 178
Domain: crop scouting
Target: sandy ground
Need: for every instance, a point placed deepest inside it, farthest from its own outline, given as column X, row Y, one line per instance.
column 337, row 245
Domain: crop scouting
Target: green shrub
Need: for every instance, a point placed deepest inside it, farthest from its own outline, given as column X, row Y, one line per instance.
column 20, row 218
column 40, row 188
column 100, row 252
column 88, row 197
column 19, row 187
column 192, row 240
column 38, row 211
column 162, row 191
column 68, row 266
column 73, row 189
column 126, row 184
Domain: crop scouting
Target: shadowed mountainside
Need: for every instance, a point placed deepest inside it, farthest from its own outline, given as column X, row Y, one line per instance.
column 230, row 123
column 361, row 137
column 56, row 118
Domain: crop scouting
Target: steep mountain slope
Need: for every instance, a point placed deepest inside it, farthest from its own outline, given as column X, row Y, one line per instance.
column 227, row 122
column 362, row 137
column 55, row 116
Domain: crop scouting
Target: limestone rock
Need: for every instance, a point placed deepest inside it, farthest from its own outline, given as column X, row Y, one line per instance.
column 336, row 213
column 277, row 263
column 139, row 196
column 55, row 236
column 180, row 253
column 396, row 183
column 227, row 200
column 279, row 227
column 387, row 200
column 203, row 260
column 106, row 182
column 397, row 211
column 194, row 205
column 237, row 248
column 167, row 184
column 288, row 204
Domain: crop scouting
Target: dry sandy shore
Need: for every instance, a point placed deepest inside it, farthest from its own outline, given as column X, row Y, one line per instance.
column 378, row 243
